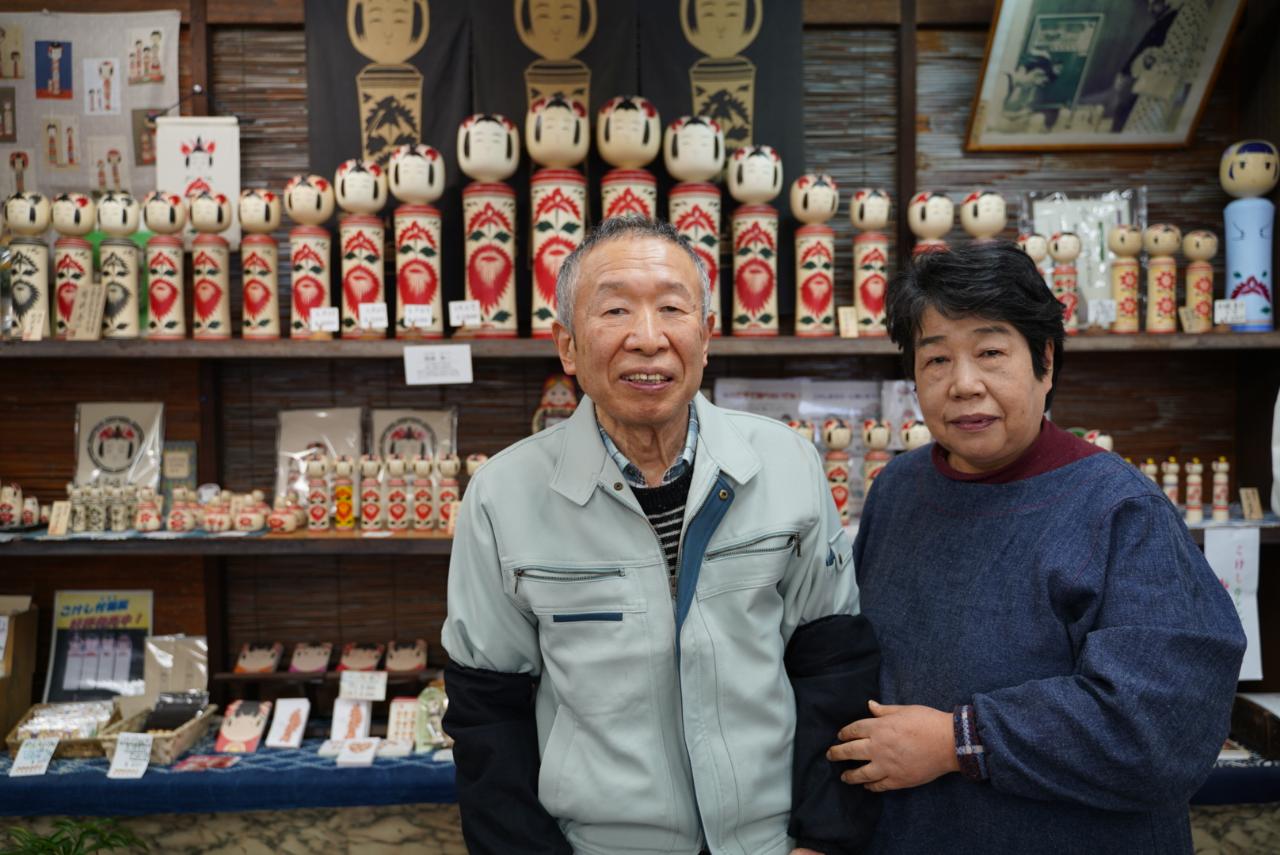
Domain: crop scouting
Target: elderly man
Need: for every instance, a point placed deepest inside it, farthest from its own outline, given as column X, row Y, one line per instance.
column 623, row 589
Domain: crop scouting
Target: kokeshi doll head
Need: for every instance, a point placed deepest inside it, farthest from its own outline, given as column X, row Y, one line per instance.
column 164, row 213
column 474, row 462
column 1064, row 247
column 448, row 464
column 118, row 213
column 488, row 147
column 876, row 434
column 308, row 199
column 259, row 211
column 422, row 466
column 1125, row 240
column 75, row 214
column 360, row 187
column 556, row 132
column 370, row 465
column 1200, row 245
column 915, row 434
column 931, row 215
column 693, row 149
column 27, row 213
column 628, row 132
column 1034, row 245
column 210, row 212
column 755, row 174
column 1249, row 168
column 1162, row 239
column 983, row 214
column 869, row 209
column 344, row 466
column 416, row 174
column 836, row 434
column 814, row 197
column 804, row 427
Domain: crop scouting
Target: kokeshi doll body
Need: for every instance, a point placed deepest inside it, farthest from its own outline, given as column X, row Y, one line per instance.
column 1125, row 241
column 210, row 266
column 876, row 436
column 1248, row 172
column 165, row 215
column 869, row 213
column 360, row 189
column 1221, row 496
column 983, row 215
column 260, row 264
column 836, row 436
column 557, row 136
column 1064, row 248
column 118, row 214
column 448, row 493
column 416, row 177
column 344, row 502
column 930, row 217
column 1199, row 247
column 308, row 200
column 27, row 215
column 372, row 517
column 317, row 471
column 628, row 136
column 488, row 153
column 1195, row 491
column 1169, row 472
column 397, row 494
column 693, row 152
column 755, row 178
column 423, row 511
column 1161, row 242
column 1151, row 469
column 74, row 216
column 814, row 199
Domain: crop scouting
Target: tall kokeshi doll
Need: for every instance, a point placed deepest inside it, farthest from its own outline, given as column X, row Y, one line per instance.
column 1195, row 491
column 74, row 216
column 447, row 491
column 423, row 513
column 983, row 215
column 876, row 436
column 371, row 500
column 211, row 266
column 1125, row 241
column 814, row 199
column 360, row 189
column 930, row 217
column 308, row 200
column 488, row 153
column 836, row 436
column 869, row 213
column 1036, row 246
column 317, row 470
column 1248, row 172
column 260, row 263
column 118, row 261
column 693, row 151
column 1221, row 496
column 1200, row 247
column 165, row 215
column 628, row 136
column 1064, row 248
column 557, row 135
column 28, row 217
column 755, row 178
column 1161, row 242
column 1170, row 469
column 416, row 176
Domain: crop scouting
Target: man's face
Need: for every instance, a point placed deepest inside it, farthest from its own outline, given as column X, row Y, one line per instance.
column 640, row 341
column 978, row 392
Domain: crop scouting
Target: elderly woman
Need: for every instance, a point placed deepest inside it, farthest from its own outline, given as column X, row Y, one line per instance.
column 1049, row 630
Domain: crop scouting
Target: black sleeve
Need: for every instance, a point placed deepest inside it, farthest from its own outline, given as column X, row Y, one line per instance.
column 491, row 720
column 834, row 667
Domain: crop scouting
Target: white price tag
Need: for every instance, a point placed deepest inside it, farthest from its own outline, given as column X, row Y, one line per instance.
column 363, row 685
column 434, row 364
column 133, row 755
column 1102, row 313
column 1228, row 311
column 373, row 316
column 463, row 312
column 419, row 315
column 33, row 757
column 324, row 319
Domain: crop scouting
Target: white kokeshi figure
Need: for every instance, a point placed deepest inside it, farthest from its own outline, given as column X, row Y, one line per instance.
column 557, row 135
column 165, row 215
column 1221, row 494
column 211, row 266
column 1125, row 242
column 118, row 215
column 814, row 199
column 836, row 464
column 416, row 174
column 309, row 202
column 930, row 217
column 983, row 214
column 869, row 213
column 628, row 137
column 27, row 215
column 260, row 212
column 1248, row 171
column 488, row 153
column 755, row 178
column 1161, row 241
column 360, row 189
column 74, row 216
column 1064, row 248
column 693, row 151
column 1195, row 491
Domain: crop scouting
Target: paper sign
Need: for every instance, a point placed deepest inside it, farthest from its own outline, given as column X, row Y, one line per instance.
column 133, row 755
column 419, row 315
column 1228, row 312
column 59, row 518
column 1233, row 554
column 1251, row 503
column 33, row 323
column 86, row 312
column 847, row 317
column 462, row 312
column 433, row 364
column 324, row 319
column 1102, row 313
column 363, row 685
column 33, row 757
column 373, row 316
column 1189, row 321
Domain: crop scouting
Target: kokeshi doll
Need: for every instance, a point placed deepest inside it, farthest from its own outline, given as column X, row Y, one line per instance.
column 1248, row 173
column 915, row 434
column 1200, row 247
column 1036, row 246
column 693, row 151
column 1150, row 469
column 804, row 427
column 260, row 264
column 1195, row 491
column 869, row 213
column 1064, row 248
column 930, row 217
column 416, row 177
column 281, row 519
column 755, row 178
column 423, row 516
column 1126, row 242
column 1100, row 439
column 360, row 189
column 1221, row 497
column 1161, row 242
column 308, row 200
column 149, row 514
column 210, row 266
column 836, row 436
column 628, row 136
column 74, row 216
column 28, row 217
column 95, row 509
column 397, row 494
column 557, row 136
column 876, row 436
column 1170, row 470
column 165, row 215
column 344, row 502
column 814, row 199
column 488, row 153
column 447, row 492
column 371, row 516
column 118, row 214
column 983, row 215
column 474, row 462
column 317, row 471
column 79, row 512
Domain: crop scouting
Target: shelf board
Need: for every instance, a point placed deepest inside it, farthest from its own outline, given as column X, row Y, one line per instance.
column 425, row 676
column 266, row 545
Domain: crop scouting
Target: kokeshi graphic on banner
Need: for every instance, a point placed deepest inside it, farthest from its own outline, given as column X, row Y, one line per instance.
column 1248, row 171
column 930, row 217
column 1126, row 242
column 1064, row 248
column 869, row 213
column 628, row 193
column 1200, row 247
column 210, row 266
column 814, row 199
column 165, row 215
column 416, row 177
column 628, row 136
column 28, row 217
column 74, row 216
column 559, row 200
column 308, row 200
column 488, row 153
column 118, row 215
column 360, row 189
column 693, row 152
column 755, row 178
column 260, row 264
column 1161, row 242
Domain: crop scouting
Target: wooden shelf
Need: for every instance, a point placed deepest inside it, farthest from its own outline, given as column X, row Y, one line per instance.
column 267, row 545
column 425, row 676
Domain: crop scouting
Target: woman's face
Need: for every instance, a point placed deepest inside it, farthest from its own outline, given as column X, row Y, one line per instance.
column 979, row 394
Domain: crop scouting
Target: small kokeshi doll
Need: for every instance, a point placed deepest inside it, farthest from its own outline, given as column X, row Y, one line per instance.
column 628, row 136
column 118, row 214
column 210, row 266
column 372, row 516
column 869, row 213
column 1100, row 439
column 28, row 217
column 344, row 502
column 317, row 471
column 1195, row 491
column 74, row 216
column 397, row 494
column 1200, row 247
column 836, row 436
column 983, row 215
column 1248, row 171
column 260, row 263
column 474, row 462
column 814, row 199
column 755, row 178
column 281, row 520
column 308, row 200
column 1151, row 469
column 876, row 436
column 1170, row 470
column 1221, row 494
column 1161, row 242
column 360, row 189
column 165, row 215
column 488, row 153
column 915, row 434
column 421, row 489
column 1036, row 246
column 448, row 493
column 416, row 177
column 804, row 427
column 557, row 135
column 1064, row 248
column 1125, row 242
column 930, row 217
column 693, row 151
column 148, row 515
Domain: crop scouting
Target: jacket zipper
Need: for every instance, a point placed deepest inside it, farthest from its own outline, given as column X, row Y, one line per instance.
column 580, row 576
column 756, row 547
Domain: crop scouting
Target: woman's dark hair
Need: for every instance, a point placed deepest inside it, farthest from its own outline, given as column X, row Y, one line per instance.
column 993, row 280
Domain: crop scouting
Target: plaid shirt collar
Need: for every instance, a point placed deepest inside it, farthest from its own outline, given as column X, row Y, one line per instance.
column 634, row 476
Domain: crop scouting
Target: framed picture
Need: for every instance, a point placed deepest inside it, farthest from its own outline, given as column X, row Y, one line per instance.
column 1098, row 74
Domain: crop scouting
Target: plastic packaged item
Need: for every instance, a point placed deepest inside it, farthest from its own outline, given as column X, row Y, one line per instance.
column 410, row 433
column 119, row 443
column 432, row 704
column 304, row 434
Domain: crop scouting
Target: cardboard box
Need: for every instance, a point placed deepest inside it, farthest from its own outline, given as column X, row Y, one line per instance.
column 18, row 661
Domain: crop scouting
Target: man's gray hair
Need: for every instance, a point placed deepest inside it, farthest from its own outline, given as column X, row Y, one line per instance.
column 616, row 228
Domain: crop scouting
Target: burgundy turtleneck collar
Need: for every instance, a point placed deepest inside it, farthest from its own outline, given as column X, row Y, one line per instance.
column 1052, row 449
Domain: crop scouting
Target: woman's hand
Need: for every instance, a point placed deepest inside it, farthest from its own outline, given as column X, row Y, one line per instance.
column 903, row 746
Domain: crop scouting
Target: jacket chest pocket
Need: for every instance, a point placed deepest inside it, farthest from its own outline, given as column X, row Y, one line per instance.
column 753, row 562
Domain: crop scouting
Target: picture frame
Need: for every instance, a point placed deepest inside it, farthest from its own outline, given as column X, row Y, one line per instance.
column 1098, row 74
